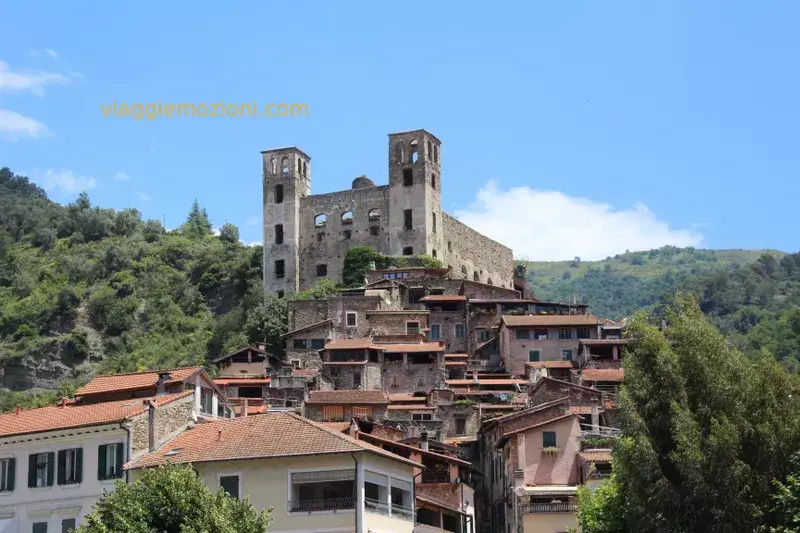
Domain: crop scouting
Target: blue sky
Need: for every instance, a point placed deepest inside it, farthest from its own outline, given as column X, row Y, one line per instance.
column 568, row 128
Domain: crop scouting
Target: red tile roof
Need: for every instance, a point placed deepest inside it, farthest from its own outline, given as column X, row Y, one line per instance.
column 135, row 381
column 244, row 438
column 305, row 372
column 406, row 397
column 603, row 342
column 241, row 382
column 410, row 348
column 550, row 364
column 596, row 456
column 75, row 415
column 456, row 356
column 483, row 381
column 538, row 425
column 514, row 321
column 410, row 407
column 444, row 298
column 348, row 344
column 348, row 397
column 306, row 328
column 607, row 374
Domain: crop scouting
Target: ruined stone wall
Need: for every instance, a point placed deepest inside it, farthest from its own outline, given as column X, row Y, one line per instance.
column 448, row 414
column 343, row 376
column 303, row 313
column 447, row 321
column 371, row 378
column 398, row 378
column 555, row 389
column 477, row 290
column 395, row 323
column 139, row 435
column 468, row 251
column 328, row 245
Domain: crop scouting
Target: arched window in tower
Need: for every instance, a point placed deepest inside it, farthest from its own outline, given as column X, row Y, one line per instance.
column 475, row 276
column 464, row 271
column 273, row 164
column 320, row 221
column 374, row 215
column 399, row 154
column 305, row 169
column 347, row 218
column 285, row 164
column 435, row 154
column 433, row 254
column 428, row 151
column 433, row 181
column 414, row 155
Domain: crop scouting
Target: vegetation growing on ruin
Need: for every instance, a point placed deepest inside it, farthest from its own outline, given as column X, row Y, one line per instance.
column 361, row 259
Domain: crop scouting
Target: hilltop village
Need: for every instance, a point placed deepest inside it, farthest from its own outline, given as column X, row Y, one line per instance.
column 426, row 399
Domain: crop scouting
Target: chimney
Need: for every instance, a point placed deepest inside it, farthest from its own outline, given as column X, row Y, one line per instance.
column 423, row 441
column 244, row 407
column 151, row 425
column 595, row 419
column 161, row 384
column 19, row 408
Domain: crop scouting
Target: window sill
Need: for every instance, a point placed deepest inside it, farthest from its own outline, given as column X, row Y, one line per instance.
column 70, row 486
column 41, row 489
column 6, row 493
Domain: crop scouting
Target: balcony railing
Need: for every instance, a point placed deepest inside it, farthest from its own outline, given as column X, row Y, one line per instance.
column 326, row 504
column 376, row 506
column 549, row 507
column 406, row 513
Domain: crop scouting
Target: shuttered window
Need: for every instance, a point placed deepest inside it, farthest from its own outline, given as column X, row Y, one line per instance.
column 70, row 466
column 333, row 412
column 362, row 411
column 110, row 459
column 7, row 471
column 41, row 468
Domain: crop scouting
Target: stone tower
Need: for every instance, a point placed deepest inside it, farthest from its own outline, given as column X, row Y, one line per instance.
column 287, row 178
column 415, row 205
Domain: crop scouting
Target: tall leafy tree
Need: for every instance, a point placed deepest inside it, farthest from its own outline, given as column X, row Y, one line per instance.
column 197, row 224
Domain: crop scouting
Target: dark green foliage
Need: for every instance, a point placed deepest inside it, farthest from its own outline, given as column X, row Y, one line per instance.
column 197, row 225
column 360, row 259
column 787, row 500
column 229, row 232
column 172, row 499
column 603, row 510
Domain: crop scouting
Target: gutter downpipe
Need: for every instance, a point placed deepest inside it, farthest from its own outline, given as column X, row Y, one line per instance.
column 126, row 425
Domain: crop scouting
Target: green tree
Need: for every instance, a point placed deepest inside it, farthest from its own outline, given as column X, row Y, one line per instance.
column 787, row 500
column 229, row 233
column 172, row 499
column 197, row 224
column 602, row 510
column 357, row 263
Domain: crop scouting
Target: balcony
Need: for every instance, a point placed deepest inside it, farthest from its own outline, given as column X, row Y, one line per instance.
column 530, row 508
column 406, row 513
column 326, row 504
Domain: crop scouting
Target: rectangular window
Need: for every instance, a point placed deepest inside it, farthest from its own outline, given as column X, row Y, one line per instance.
column 41, row 467
column 332, row 413
column 322, row 491
column 350, row 319
column 362, row 411
column 356, row 378
column 523, row 334
column 374, row 230
column 299, row 344
column 39, row 527
column 279, row 268
column 402, row 505
column 376, row 492
column 548, row 439
column 533, row 356
column 278, row 233
column 460, row 331
column 110, row 461
column 407, row 220
column 408, row 177
column 565, row 333
column 347, row 234
column 421, row 416
column 412, row 328
column 206, row 399
column 70, row 465
column 583, row 333
column 408, row 250
column 436, row 332
column 279, row 194
column 7, row 471
column 68, row 525
column 566, row 355
column 540, row 334
column 322, row 271
column 484, row 334
column 230, row 484
column 317, row 344
column 461, row 425
column 433, row 226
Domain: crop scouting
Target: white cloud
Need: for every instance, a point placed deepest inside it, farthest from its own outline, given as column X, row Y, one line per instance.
column 121, row 176
column 52, row 53
column 63, row 181
column 551, row 226
column 21, row 81
column 252, row 221
column 144, row 197
column 14, row 126
column 32, row 53
column 76, row 75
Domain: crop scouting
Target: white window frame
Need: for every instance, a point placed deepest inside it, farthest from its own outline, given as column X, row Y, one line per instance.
column 46, row 467
column 111, row 460
column 363, row 467
column 230, row 473
column 290, row 471
column 347, row 316
column 71, row 466
column 4, row 479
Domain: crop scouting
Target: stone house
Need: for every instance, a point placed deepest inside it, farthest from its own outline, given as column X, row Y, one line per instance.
column 343, row 405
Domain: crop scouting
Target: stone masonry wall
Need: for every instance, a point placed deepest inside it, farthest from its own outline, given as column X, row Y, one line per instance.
column 314, row 412
column 412, row 378
column 173, row 418
column 468, row 249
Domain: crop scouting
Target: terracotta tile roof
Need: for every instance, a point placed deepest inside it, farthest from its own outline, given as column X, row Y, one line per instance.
column 410, row 407
column 514, row 321
column 305, row 328
column 241, row 382
column 338, row 427
column 581, row 409
column 455, row 363
column 463, row 382
column 243, row 438
column 446, row 495
column 498, row 407
column 349, row 344
column 381, row 441
column 75, row 415
column 444, row 298
column 251, row 409
column 596, row 456
column 398, row 312
column 456, row 356
column 305, row 372
column 406, row 397
column 550, row 364
column 135, row 381
column 511, row 416
column 410, row 348
column 607, row 374
column 602, row 342
column 348, row 397
column 540, row 424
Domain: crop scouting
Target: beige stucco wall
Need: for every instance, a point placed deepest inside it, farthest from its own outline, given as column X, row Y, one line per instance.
column 561, row 469
column 516, row 351
column 548, row 522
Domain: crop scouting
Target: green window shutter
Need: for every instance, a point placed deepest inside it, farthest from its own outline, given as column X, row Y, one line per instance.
column 12, row 468
column 548, row 439
column 32, row 470
column 51, row 467
column 62, row 466
column 120, row 459
column 101, row 462
column 566, row 355
column 79, row 465
column 533, row 356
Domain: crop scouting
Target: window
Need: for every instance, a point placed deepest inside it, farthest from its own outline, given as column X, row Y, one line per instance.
column 565, row 333
column 433, row 253
column 433, row 181
column 433, row 226
column 460, row 331
column 244, row 392
column 436, row 331
column 206, row 400
column 374, row 230
column 279, row 194
column 285, row 164
column 110, row 460
column 475, row 276
column 376, row 491
column 350, row 318
column 39, row 527
column 333, row 413
column 320, row 221
column 548, row 439
column 407, row 219
column 418, row 417
column 41, row 467
column 461, row 425
column 279, row 268
column 435, row 153
column 230, row 484
column 68, row 525
column 408, row 177
column 280, row 294
column 566, row 355
column 322, row 271
column 483, row 334
column 347, row 218
column 317, row 344
column 583, row 333
column 356, row 378
column 401, row 499
column 540, row 334
column 412, row 328
column 362, row 411
column 299, row 344
column 533, row 356
column 320, row 236
column 408, row 250
column 7, row 471
column 321, row 491
column 464, row 271
column 374, row 215
column 523, row 334
column 278, row 233
column 70, row 466
column 347, row 234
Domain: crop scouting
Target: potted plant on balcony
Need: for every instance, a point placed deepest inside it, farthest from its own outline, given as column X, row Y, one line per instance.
column 551, row 450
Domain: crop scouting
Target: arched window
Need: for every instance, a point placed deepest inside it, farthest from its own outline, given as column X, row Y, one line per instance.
column 299, row 166
column 435, row 154
column 305, row 169
column 489, row 281
column 428, row 152
column 399, row 153
column 274, row 165
column 320, row 221
column 475, row 276
column 433, row 181
column 285, row 164
column 347, row 218
column 464, row 270
column 279, row 194
column 414, row 155
column 450, row 246
column 374, row 215
column 433, row 254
